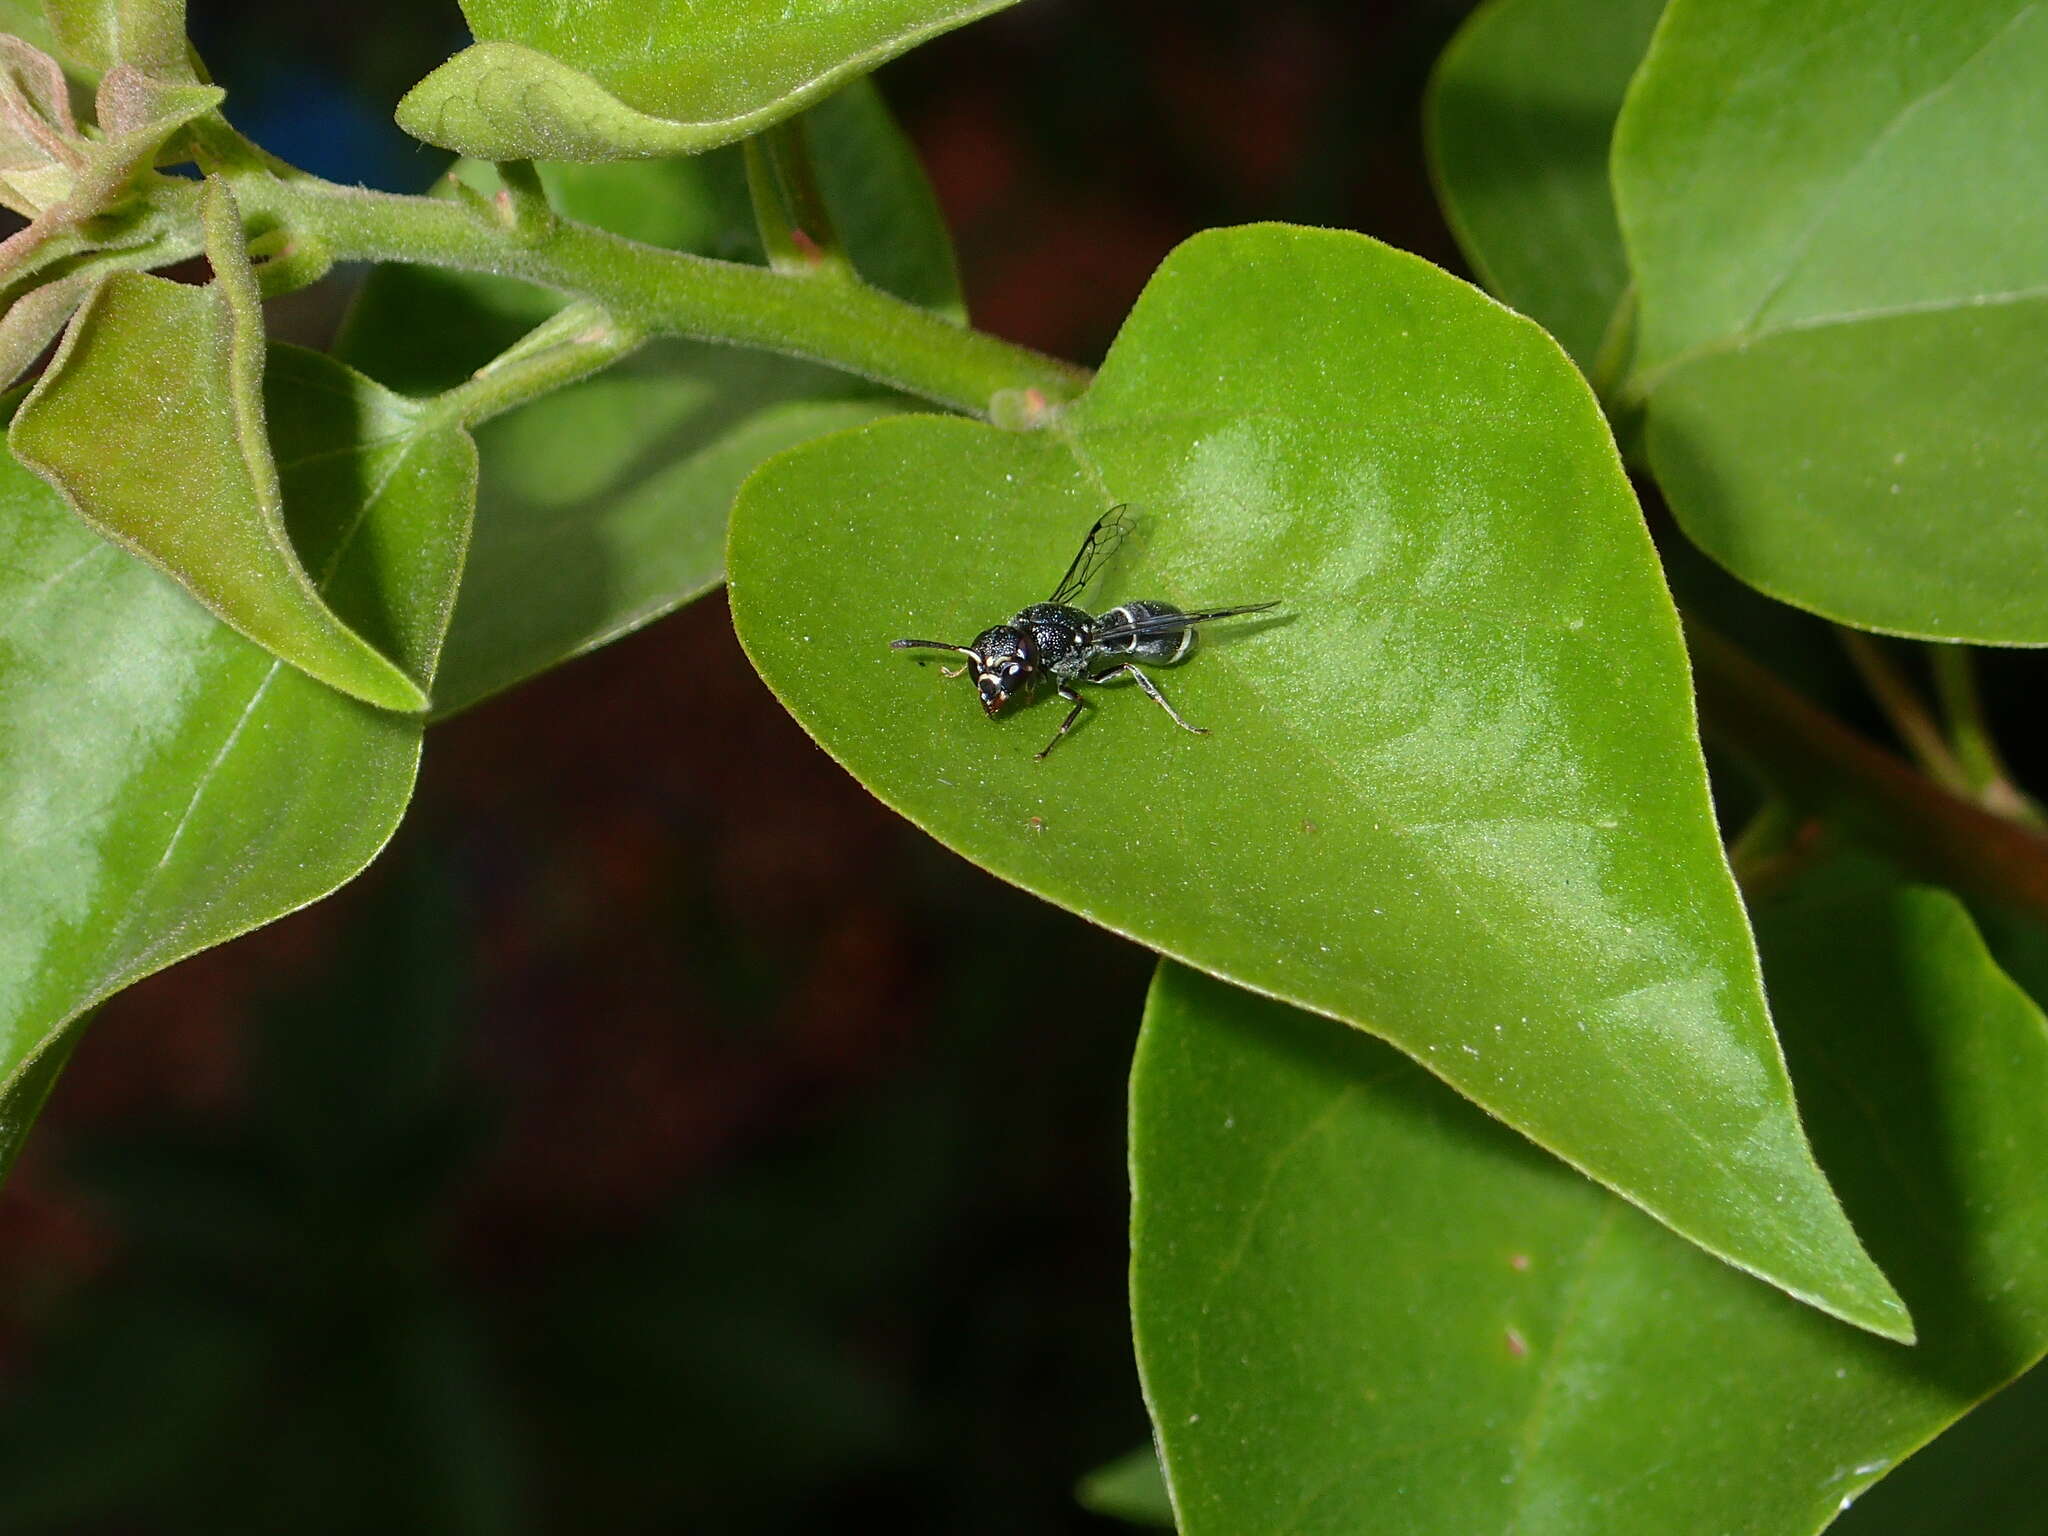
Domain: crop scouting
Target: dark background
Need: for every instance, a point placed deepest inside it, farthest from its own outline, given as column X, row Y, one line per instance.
column 644, row 1144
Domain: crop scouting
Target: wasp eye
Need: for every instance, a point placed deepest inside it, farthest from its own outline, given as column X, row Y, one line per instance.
column 1011, row 669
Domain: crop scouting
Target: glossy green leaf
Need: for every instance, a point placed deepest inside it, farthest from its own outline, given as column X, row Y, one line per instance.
column 1449, row 802
column 166, row 784
column 1520, row 112
column 1847, row 509
column 150, row 421
column 1361, row 1305
column 603, row 507
column 623, row 79
column 1838, row 221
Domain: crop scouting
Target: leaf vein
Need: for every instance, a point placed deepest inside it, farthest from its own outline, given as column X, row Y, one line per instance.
column 1905, row 114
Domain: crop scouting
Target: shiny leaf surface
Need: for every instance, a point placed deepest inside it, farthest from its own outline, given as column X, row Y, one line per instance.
column 626, row 79
column 1363, row 1306
column 166, row 784
column 1459, row 807
column 1838, row 222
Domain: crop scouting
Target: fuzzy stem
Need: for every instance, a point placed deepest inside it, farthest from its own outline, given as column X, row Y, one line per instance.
column 562, row 349
column 849, row 326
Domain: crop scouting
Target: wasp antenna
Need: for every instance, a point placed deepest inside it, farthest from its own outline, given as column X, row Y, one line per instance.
column 933, row 645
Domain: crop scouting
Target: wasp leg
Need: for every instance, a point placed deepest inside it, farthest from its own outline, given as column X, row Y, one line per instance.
column 1066, row 724
column 959, row 671
column 1152, row 692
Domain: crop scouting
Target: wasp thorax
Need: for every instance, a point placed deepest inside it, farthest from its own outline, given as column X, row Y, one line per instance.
column 1009, row 665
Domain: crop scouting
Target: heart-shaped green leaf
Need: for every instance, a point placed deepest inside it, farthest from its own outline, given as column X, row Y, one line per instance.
column 626, row 79
column 164, row 783
column 1362, row 1306
column 150, row 421
column 603, row 507
column 1838, row 223
column 1453, row 796
column 1520, row 112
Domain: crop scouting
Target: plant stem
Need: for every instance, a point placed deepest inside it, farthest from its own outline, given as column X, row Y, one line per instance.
column 560, row 350
column 796, row 227
column 1820, row 765
column 849, row 326
column 1904, row 707
column 527, row 211
column 1969, row 734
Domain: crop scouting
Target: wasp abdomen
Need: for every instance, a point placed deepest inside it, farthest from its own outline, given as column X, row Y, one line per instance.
column 1160, row 649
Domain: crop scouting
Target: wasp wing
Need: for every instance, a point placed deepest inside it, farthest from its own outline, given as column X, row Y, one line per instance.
column 1104, row 539
column 1171, row 623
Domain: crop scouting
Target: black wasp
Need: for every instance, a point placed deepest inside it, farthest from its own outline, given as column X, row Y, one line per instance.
column 1055, row 641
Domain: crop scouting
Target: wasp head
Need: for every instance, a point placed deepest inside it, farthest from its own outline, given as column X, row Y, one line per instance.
column 1009, row 666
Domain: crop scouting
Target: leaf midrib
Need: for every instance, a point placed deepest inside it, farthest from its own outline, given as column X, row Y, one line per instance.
column 1645, row 385
column 138, row 899
column 1751, row 330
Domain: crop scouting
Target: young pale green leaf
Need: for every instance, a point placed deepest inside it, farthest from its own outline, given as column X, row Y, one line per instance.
column 41, row 149
column 164, row 783
column 625, row 79
column 63, row 178
column 150, row 421
column 27, row 20
column 1520, row 112
column 1453, row 793
column 1838, row 223
column 603, row 507
column 99, row 34
column 34, row 320
column 1360, row 1305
